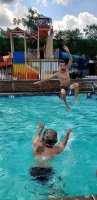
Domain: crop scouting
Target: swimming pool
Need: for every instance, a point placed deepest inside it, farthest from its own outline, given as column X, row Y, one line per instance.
column 75, row 168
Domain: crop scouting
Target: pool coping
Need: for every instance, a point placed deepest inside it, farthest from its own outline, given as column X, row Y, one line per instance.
column 92, row 197
column 21, row 94
column 34, row 93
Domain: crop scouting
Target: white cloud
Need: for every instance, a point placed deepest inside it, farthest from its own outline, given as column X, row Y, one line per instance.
column 7, row 15
column 20, row 11
column 72, row 22
column 63, row 2
column 86, row 19
column 67, row 22
column 44, row 2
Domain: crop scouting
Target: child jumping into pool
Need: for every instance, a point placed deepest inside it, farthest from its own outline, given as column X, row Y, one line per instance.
column 44, row 150
column 64, row 78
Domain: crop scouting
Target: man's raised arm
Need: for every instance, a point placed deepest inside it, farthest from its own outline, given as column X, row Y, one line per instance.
column 37, row 137
column 64, row 142
column 69, row 55
column 58, row 149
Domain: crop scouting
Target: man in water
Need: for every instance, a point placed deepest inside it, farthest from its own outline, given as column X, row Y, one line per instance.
column 44, row 150
column 64, row 78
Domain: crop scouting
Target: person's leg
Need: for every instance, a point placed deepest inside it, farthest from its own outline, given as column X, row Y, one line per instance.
column 63, row 96
column 75, row 86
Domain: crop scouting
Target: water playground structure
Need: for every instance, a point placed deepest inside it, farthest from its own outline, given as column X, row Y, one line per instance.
column 15, row 64
column 5, row 65
column 25, row 65
column 35, row 63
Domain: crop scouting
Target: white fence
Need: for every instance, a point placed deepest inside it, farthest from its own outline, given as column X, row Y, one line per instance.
column 31, row 69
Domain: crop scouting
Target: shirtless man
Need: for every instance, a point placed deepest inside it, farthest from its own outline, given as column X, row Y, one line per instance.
column 64, row 78
column 44, row 150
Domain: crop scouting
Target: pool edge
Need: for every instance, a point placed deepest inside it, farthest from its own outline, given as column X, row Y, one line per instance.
column 90, row 197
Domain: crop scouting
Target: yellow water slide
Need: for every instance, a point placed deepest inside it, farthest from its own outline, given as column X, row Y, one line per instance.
column 26, row 71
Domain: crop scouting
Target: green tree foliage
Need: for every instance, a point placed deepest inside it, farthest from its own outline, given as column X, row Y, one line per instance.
column 4, row 43
column 59, row 38
column 91, row 32
column 68, row 37
column 29, row 21
column 19, row 44
column 77, row 43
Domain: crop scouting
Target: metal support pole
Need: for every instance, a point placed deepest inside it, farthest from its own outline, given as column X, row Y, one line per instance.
column 38, row 52
column 25, row 50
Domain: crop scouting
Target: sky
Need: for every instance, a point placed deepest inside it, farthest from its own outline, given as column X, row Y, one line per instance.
column 65, row 14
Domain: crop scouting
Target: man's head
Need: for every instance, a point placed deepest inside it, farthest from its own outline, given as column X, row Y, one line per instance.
column 62, row 65
column 49, row 138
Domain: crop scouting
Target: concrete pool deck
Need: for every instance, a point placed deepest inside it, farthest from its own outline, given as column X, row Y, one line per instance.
column 92, row 197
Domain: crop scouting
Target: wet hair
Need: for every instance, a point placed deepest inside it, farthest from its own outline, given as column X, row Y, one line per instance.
column 49, row 138
column 63, row 61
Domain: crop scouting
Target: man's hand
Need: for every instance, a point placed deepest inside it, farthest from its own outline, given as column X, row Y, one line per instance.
column 66, row 49
column 68, row 132
column 41, row 126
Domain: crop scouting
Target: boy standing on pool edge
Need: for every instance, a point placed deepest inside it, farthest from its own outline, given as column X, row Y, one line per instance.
column 64, row 78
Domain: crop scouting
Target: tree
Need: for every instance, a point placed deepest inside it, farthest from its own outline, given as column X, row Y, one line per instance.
column 2, row 33
column 68, row 37
column 59, row 38
column 16, row 21
column 29, row 21
column 91, row 32
column 4, row 43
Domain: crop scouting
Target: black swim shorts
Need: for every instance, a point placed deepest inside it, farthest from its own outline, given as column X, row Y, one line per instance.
column 67, row 88
column 41, row 174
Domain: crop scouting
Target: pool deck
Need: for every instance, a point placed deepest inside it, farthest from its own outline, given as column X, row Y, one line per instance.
column 52, row 86
column 92, row 197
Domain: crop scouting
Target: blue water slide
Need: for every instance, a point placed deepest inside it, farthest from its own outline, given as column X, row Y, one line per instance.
column 63, row 55
column 18, row 57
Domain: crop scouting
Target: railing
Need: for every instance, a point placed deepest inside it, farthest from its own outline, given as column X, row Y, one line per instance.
column 29, row 69
column 32, row 69
column 32, row 53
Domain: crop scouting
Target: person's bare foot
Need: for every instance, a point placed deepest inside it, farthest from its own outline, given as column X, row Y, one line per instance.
column 67, row 106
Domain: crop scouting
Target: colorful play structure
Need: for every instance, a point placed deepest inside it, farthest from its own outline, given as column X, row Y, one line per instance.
column 5, row 65
column 6, row 60
column 28, row 64
column 25, row 65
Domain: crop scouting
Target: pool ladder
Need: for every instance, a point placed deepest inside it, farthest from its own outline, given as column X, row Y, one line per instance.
column 93, row 197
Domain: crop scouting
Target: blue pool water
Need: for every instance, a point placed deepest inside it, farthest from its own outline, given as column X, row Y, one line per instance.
column 75, row 168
